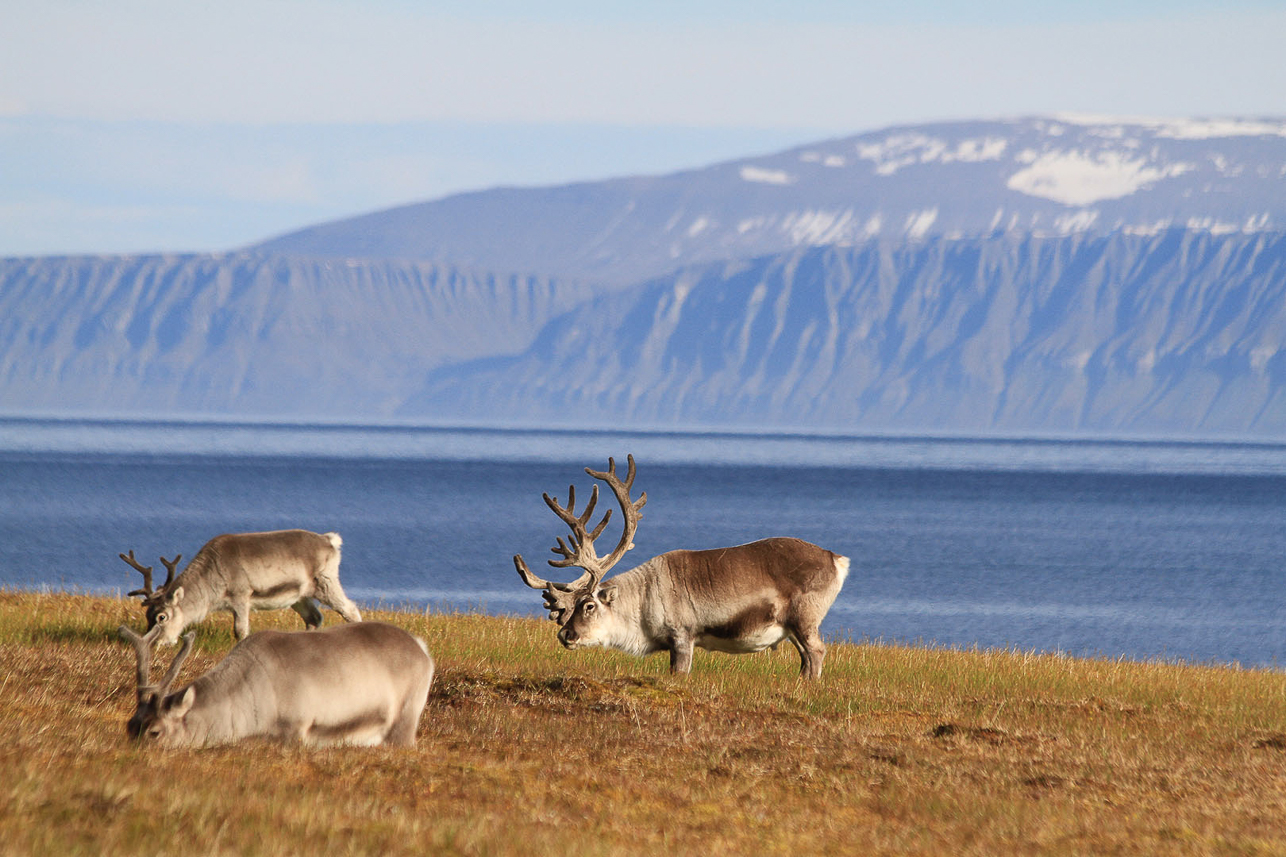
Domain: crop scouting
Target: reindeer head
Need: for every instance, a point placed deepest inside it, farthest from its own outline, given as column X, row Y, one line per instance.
column 163, row 606
column 581, row 607
column 159, row 715
column 591, row 621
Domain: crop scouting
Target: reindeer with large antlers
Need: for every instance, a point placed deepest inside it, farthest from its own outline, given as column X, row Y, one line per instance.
column 364, row 683
column 240, row 572
column 736, row 600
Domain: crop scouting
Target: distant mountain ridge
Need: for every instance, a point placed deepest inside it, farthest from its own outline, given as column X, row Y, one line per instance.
column 1040, row 175
column 1180, row 333
column 1068, row 275
column 245, row 334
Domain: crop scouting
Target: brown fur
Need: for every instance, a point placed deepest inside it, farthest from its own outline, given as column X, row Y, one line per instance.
column 746, row 622
column 737, row 599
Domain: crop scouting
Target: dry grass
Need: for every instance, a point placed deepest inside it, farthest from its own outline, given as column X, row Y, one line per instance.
column 525, row 748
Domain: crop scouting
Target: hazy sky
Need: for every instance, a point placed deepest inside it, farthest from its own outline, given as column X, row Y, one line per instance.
column 142, row 125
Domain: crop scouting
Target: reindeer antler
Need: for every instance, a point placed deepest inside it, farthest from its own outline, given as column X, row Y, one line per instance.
column 559, row 597
column 173, row 672
column 631, row 510
column 578, row 550
column 170, row 565
column 143, row 651
column 146, row 571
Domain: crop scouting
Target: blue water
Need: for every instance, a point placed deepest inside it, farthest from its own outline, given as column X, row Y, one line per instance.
column 1173, row 550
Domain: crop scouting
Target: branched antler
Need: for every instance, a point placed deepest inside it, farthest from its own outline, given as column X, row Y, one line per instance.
column 559, row 598
column 146, row 570
column 578, row 550
column 143, row 651
column 170, row 565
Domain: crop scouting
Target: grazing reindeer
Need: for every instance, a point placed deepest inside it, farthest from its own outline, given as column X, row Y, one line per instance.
column 736, row 600
column 363, row 684
column 240, row 572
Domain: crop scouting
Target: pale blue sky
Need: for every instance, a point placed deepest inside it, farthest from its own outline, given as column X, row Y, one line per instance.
column 142, row 125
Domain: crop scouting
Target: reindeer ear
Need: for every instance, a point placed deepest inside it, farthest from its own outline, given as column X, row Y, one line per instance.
column 176, row 596
column 184, row 703
column 607, row 594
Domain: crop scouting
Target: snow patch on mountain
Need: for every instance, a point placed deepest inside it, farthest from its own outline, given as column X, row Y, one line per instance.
column 766, row 176
column 918, row 223
column 1077, row 221
column 1082, row 178
column 1215, row 226
column 903, row 150
column 818, row 227
column 1149, row 228
column 825, row 160
column 701, row 224
column 1181, row 129
column 1260, row 356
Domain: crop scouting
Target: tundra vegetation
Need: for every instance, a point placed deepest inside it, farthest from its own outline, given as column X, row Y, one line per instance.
column 529, row 748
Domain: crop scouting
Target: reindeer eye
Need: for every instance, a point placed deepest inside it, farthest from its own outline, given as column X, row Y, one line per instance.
column 589, row 606
column 161, row 617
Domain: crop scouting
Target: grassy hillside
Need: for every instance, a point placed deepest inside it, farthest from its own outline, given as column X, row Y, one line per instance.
column 525, row 748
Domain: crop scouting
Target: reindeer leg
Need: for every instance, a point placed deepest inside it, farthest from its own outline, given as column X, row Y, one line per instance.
column 402, row 732
column 241, row 618
column 308, row 611
column 681, row 656
column 812, row 651
column 794, row 641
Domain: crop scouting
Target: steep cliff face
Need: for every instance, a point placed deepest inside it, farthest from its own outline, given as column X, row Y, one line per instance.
column 1178, row 333
column 249, row 335
column 1048, row 176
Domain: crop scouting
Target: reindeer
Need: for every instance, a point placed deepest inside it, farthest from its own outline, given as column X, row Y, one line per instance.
column 240, row 572
column 736, row 600
column 363, row 684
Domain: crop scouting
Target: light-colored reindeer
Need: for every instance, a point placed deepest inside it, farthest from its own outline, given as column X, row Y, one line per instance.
column 240, row 572
column 364, row 683
column 737, row 600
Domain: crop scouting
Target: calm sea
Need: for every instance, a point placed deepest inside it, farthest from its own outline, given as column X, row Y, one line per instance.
column 1171, row 550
